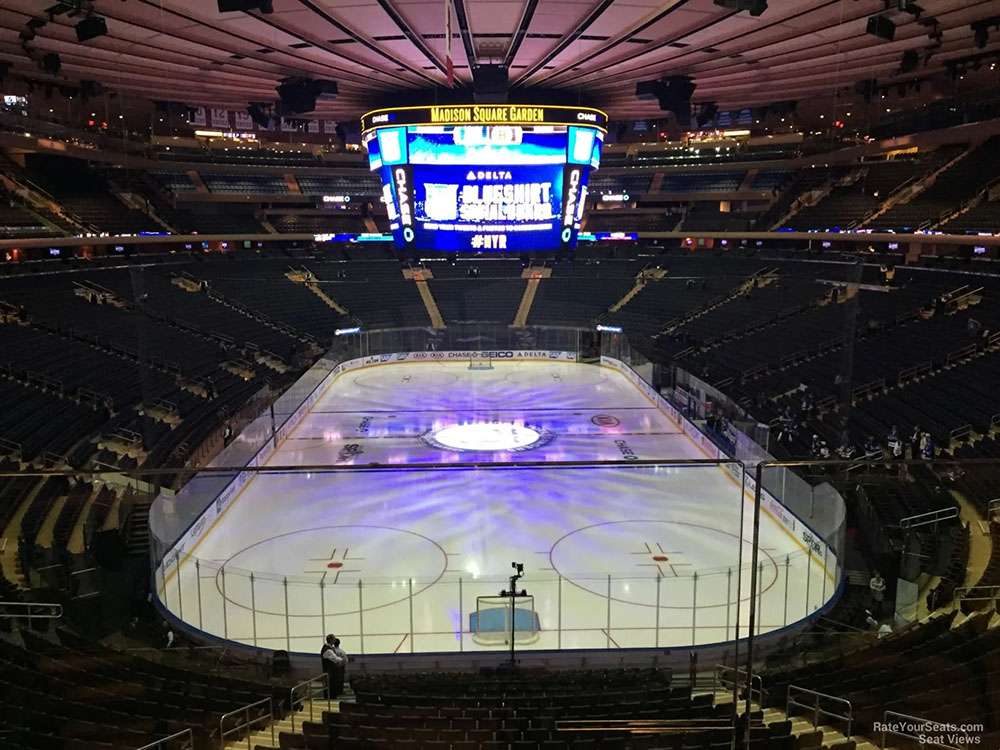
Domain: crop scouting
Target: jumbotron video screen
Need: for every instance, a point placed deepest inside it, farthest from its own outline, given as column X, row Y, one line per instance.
column 484, row 177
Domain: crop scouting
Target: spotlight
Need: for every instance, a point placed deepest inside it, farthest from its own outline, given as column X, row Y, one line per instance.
column 866, row 89
column 91, row 27
column 673, row 93
column 490, row 84
column 260, row 116
column 910, row 61
column 707, row 114
column 52, row 63
column 298, row 95
column 90, row 89
column 881, row 27
column 754, row 7
column 230, row 6
column 981, row 36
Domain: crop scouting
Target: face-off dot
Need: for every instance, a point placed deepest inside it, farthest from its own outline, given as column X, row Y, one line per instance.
column 488, row 437
column 660, row 558
column 335, row 565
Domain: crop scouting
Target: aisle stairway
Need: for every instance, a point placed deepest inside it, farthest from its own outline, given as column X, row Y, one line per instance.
column 533, row 277
column 802, row 729
column 294, row 725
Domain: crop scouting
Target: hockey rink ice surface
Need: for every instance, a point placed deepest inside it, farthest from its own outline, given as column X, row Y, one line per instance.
column 393, row 560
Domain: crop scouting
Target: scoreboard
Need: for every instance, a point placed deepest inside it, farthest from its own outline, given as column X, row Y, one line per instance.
column 484, row 177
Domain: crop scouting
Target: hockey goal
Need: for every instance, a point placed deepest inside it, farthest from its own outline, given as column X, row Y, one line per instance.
column 480, row 361
column 490, row 624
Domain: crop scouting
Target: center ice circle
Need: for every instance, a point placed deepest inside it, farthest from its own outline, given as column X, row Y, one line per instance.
column 487, row 437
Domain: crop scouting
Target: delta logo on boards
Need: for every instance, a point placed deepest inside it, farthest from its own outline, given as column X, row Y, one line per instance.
column 349, row 451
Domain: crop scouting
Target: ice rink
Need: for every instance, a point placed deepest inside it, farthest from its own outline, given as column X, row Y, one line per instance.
column 392, row 560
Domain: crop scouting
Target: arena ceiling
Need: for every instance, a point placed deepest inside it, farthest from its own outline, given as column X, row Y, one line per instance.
column 187, row 51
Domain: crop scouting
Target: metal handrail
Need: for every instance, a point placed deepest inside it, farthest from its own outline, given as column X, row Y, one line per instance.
column 903, row 725
column 722, row 681
column 159, row 743
column 10, row 610
column 247, row 723
column 816, row 710
column 924, row 519
column 978, row 593
column 993, row 507
column 294, row 698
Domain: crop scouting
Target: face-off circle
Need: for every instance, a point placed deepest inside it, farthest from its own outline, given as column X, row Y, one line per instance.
column 488, row 437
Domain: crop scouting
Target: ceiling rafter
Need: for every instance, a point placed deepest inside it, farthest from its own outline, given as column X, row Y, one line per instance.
column 877, row 49
column 714, row 44
column 162, row 7
column 415, row 39
column 527, row 13
column 364, row 41
column 567, row 40
column 622, row 39
column 468, row 44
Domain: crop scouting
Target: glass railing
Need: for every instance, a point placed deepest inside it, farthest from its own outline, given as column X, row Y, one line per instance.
column 413, row 559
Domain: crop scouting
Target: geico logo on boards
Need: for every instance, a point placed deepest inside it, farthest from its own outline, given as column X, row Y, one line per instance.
column 586, row 116
column 572, row 195
column 812, row 542
column 498, row 355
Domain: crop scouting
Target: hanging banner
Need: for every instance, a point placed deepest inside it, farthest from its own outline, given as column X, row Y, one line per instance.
column 287, row 126
column 220, row 118
column 313, row 126
column 243, row 121
column 196, row 116
column 330, row 127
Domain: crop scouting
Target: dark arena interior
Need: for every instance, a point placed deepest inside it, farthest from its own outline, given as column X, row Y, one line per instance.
column 500, row 374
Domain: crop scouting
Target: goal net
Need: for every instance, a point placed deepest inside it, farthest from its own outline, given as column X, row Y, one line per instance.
column 480, row 361
column 490, row 623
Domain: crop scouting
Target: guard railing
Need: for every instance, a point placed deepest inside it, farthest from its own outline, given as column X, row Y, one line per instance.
column 307, row 690
column 813, row 701
column 247, row 719
column 182, row 740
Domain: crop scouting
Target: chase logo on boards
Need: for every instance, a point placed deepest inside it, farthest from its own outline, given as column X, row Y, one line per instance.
column 627, row 453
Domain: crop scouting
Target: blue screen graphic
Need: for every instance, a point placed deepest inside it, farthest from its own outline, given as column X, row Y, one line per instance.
column 475, row 188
